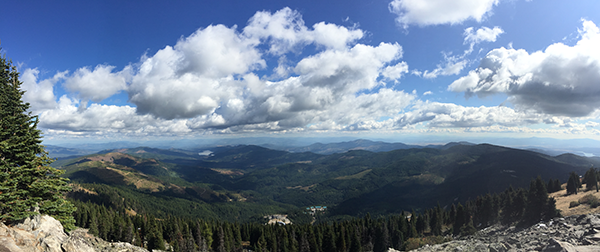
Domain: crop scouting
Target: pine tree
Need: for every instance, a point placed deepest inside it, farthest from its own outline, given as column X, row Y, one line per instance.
column 382, row 243
column 27, row 182
column 573, row 184
column 462, row 217
column 591, row 181
column 436, row 221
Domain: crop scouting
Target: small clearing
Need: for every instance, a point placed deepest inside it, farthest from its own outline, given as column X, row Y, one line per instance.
column 563, row 201
column 355, row 176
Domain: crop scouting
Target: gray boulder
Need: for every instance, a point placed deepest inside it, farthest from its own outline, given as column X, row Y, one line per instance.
column 42, row 233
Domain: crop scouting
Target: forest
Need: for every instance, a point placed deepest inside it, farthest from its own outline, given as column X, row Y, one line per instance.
column 109, row 217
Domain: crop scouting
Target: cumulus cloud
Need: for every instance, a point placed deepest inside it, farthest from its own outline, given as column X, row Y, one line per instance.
column 285, row 31
column 324, row 93
column 40, row 94
column 435, row 12
column 351, row 70
column 449, row 115
column 483, row 34
column 209, row 82
column 395, row 72
column 191, row 78
column 561, row 80
column 98, row 84
column 67, row 116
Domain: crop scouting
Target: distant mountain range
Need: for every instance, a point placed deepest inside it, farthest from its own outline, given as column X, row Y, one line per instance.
column 351, row 178
column 329, row 145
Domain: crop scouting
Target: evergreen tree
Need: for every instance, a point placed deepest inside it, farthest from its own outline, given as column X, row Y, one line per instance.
column 452, row 214
column 155, row 237
column 219, row 240
column 420, row 224
column 551, row 211
column 27, row 182
column 591, row 181
column 436, row 221
column 573, row 183
column 355, row 245
column 382, row 243
column 462, row 218
column 304, row 245
column 537, row 199
column 412, row 225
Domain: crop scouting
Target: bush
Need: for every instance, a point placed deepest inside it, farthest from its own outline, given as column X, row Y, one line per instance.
column 573, row 204
column 590, row 199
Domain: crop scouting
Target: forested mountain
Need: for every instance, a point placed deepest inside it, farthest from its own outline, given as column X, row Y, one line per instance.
column 340, row 147
column 238, row 182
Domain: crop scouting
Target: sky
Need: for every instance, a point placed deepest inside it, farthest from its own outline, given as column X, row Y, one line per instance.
column 140, row 70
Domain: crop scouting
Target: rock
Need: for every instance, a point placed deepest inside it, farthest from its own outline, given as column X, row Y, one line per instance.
column 594, row 221
column 42, row 233
column 497, row 247
column 573, row 233
column 558, row 246
column 78, row 241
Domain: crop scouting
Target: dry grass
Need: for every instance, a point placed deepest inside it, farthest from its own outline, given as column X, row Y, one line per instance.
column 305, row 188
column 228, row 172
column 355, row 176
column 563, row 200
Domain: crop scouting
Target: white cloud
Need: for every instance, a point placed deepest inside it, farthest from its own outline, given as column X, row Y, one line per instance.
column 395, row 72
column 452, row 65
column 428, row 93
column 209, row 82
column 285, row 31
column 103, row 119
column 194, row 76
column 215, row 52
column 98, row 84
column 350, row 70
column 562, row 80
column 434, row 12
column 334, row 36
column 449, row 115
column 40, row 94
column 483, row 34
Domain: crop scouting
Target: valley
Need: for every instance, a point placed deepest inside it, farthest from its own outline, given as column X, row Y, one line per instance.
column 245, row 182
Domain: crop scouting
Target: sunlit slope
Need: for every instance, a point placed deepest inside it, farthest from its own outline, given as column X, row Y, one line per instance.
column 354, row 182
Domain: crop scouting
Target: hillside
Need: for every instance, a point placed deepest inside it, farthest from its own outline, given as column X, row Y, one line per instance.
column 563, row 202
column 223, row 179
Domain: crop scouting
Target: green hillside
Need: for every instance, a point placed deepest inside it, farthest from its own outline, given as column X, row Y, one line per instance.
column 237, row 182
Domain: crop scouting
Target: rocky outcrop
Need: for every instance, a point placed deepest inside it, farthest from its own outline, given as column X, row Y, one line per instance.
column 44, row 233
column 569, row 234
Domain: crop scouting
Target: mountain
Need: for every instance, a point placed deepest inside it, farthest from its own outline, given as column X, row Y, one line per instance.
column 340, row 147
column 236, row 182
column 63, row 152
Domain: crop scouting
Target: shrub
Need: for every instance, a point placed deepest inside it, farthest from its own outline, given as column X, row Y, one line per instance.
column 573, row 204
column 589, row 199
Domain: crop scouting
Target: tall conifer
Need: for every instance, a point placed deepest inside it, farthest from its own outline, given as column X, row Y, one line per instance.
column 27, row 183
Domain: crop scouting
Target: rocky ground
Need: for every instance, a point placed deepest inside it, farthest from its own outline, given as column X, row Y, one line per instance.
column 44, row 233
column 573, row 233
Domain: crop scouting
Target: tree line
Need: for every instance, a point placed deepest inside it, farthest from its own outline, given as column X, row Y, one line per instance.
column 520, row 206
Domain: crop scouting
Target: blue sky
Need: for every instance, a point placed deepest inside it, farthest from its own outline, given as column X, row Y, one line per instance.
column 114, row 70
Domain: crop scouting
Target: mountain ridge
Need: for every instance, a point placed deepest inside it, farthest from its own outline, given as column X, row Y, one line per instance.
column 350, row 183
